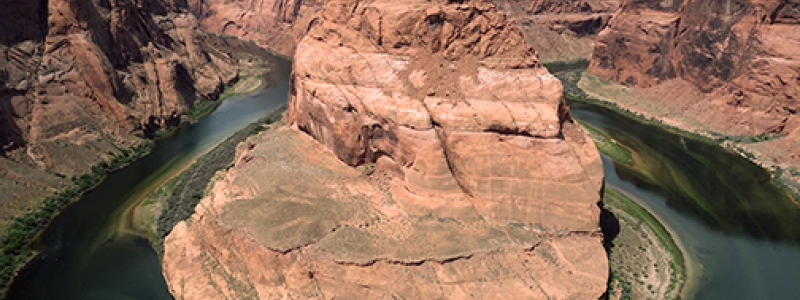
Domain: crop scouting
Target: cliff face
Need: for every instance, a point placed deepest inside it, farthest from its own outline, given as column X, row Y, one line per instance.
column 275, row 24
column 560, row 30
column 474, row 183
column 80, row 79
column 743, row 54
column 453, row 101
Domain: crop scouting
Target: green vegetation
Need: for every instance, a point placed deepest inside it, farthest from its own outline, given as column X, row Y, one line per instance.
column 786, row 179
column 643, row 119
column 607, row 145
column 22, row 230
column 573, row 93
column 748, row 139
column 180, row 195
column 561, row 66
column 16, row 248
column 620, row 274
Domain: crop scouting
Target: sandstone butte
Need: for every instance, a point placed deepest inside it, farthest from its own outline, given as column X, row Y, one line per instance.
column 731, row 66
column 428, row 156
column 80, row 80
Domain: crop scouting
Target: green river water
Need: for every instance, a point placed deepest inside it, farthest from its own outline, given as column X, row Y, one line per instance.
column 740, row 233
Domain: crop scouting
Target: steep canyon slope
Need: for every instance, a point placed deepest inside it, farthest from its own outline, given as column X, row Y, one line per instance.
column 428, row 155
column 731, row 66
column 560, row 30
column 275, row 24
column 81, row 80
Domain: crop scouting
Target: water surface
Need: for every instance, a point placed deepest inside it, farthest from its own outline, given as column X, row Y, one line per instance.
column 741, row 231
column 90, row 251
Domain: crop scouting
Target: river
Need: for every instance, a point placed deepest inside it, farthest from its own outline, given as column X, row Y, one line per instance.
column 739, row 230
column 91, row 251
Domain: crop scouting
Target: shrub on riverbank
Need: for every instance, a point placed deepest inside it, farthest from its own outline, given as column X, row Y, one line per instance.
column 624, row 277
column 179, row 197
column 16, row 251
column 555, row 67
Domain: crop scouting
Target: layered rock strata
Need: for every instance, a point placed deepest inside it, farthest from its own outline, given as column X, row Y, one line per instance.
column 472, row 181
column 275, row 24
column 81, row 79
column 741, row 54
column 561, row 30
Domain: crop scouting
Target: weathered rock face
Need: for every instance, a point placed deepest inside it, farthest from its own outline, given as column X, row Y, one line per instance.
column 80, row 79
column 290, row 221
column 742, row 53
column 560, row 30
column 454, row 100
column 275, row 24
column 479, row 184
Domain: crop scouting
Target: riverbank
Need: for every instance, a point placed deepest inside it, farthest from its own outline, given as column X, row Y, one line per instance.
column 644, row 258
column 175, row 201
column 17, row 248
column 721, row 205
column 769, row 151
column 646, row 262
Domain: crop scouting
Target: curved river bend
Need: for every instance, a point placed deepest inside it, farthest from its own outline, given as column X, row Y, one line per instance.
column 90, row 250
column 741, row 232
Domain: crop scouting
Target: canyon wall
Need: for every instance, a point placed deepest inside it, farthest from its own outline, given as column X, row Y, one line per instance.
column 742, row 54
column 80, row 80
column 428, row 155
column 274, row 24
column 560, row 30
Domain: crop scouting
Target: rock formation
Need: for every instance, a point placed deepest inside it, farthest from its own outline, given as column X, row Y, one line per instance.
column 742, row 54
column 81, row 79
column 474, row 182
column 275, row 24
column 560, row 30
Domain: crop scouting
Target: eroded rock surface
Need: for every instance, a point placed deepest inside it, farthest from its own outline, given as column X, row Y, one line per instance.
column 290, row 220
column 275, row 24
column 561, row 30
column 742, row 54
column 472, row 181
column 81, row 79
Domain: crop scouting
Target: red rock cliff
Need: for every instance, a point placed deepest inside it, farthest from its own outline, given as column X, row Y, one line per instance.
column 275, row 24
column 741, row 53
column 476, row 183
column 560, row 30
column 80, row 79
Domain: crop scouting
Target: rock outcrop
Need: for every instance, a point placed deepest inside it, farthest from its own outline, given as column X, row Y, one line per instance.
column 560, row 30
column 475, row 183
column 742, row 54
column 275, row 24
column 80, row 80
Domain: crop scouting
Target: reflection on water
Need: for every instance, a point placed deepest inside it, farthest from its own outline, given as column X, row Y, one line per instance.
column 741, row 229
column 88, row 251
